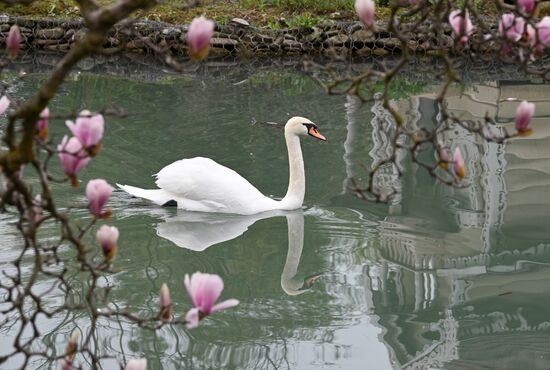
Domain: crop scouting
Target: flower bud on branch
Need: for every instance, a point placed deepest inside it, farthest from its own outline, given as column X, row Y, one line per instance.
column 107, row 236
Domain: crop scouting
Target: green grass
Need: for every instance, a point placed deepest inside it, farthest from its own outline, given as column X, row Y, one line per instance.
column 314, row 5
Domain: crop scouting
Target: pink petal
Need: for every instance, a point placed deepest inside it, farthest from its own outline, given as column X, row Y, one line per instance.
column 225, row 304
column 192, row 318
column 4, row 104
column 365, row 11
column 165, row 300
column 42, row 122
column 97, row 125
column 458, row 164
column 462, row 26
column 189, row 289
column 527, row 5
column 98, row 192
column 209, row 292
column 511, row 27
column 13, row 41
column 199, row 34
column 524, row 113
column 543, row 31
column 136, row 364
column 71, row 155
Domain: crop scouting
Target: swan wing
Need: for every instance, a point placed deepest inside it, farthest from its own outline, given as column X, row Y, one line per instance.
column 204, row 180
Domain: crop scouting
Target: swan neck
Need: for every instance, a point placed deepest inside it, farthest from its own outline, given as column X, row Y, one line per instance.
column 295, row 224
column 291, row 282
column 297, row 183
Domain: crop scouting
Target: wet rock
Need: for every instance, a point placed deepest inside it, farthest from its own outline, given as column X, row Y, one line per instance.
column 25, row 30
column 262, row 38
column 364, row 52
column 333, row 32
column 239, row 22
column 292, row 45
column 380, row 52
column 58, row 47
column 45, row 42
column 389, row 43
column 112, row 41
column 224, row 43
column 80, row 34
column 364, row 36
column 316, row 36
column 171, row 32
column 135, row 44
column 52, row 33
column 335, row 52
column 215, row 51
column 86, row 64
column 413, row 45
column 338, row 40
column 27, row 23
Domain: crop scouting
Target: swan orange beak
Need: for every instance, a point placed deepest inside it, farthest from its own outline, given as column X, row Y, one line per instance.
column 313, row 132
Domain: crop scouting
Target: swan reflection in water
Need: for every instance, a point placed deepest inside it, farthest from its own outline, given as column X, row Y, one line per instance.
column 198, row 231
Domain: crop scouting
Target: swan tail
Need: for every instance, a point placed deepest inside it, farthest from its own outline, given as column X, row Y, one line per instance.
column 157, row 196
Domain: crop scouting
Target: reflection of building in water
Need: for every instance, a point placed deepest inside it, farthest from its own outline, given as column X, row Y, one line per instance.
column 443, row 248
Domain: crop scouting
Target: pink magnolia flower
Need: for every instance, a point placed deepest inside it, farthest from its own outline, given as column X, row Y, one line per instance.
column 72, row 345
column 165, row 302
column 462, row 26
column 531, row 35
column 13, row 42
column 543, row 31
column 204, row 290
column 42, row 124
column 199, row 34
column 511, row 27
column 4, row 104
column 98, row 192
column 37, row 208
column 443, row 156
column 527, row 6
column 72, row 157
column 365, row 11
column 458, row 164
column 136, row 364
column 107, row 236
column 88, row 128
column 524, row 113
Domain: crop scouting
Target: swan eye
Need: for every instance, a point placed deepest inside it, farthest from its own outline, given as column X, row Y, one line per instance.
column 309, row 126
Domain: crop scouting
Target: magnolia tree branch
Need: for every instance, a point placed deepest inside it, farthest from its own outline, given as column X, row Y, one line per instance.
column 455, row 32
column 27, row 140
column 99, row 22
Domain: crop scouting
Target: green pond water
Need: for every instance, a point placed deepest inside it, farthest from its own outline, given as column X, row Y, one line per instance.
column 438, row 278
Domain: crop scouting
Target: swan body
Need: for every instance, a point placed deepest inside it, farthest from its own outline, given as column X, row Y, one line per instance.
column 203, row 185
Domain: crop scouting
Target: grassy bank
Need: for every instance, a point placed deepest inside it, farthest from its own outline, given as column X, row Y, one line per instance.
column 273, row 13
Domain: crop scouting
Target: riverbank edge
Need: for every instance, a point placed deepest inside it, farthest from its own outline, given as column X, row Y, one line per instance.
column 237, row 37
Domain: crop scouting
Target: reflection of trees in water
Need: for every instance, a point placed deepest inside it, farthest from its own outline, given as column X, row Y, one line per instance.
column 446, row 250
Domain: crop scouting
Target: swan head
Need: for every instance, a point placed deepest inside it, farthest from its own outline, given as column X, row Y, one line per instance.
column 301, row 126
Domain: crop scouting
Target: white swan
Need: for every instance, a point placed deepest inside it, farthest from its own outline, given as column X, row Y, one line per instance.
column 201, row 184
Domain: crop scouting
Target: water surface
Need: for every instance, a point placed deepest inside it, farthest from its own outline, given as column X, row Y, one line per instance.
column 438, row 278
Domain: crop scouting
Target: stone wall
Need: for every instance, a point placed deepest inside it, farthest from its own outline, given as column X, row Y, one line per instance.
column 237, row 37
